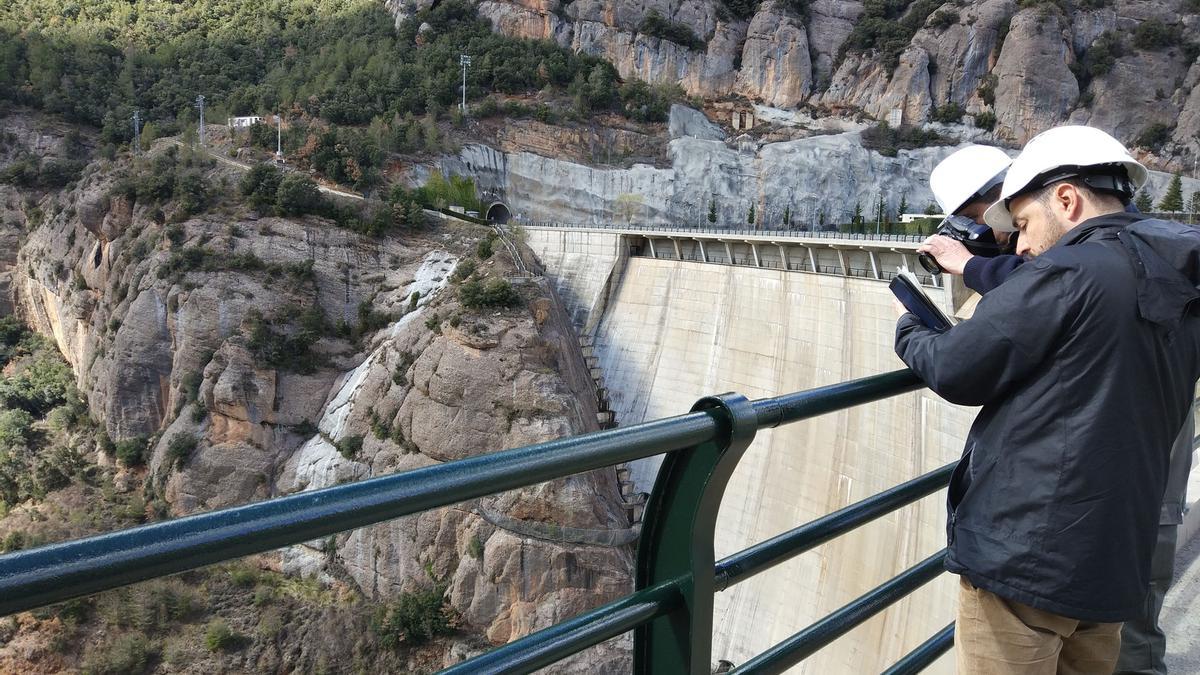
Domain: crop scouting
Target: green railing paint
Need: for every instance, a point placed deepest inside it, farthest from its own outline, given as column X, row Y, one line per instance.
column 926, row 653
column 670, row 614
column 763, row 556
column 802, row 645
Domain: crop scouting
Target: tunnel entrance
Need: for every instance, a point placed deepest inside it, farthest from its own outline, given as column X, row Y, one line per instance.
column 498, row 213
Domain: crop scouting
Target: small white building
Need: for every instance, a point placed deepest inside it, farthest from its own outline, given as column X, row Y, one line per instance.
column 244, row 122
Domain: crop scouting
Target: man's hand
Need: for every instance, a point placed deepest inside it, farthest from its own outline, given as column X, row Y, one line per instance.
column 950, row 254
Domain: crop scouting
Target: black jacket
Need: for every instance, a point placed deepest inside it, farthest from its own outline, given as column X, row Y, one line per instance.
column 981, row 274
column 1085, row 361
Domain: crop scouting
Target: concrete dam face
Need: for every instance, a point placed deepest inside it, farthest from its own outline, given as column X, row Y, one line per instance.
column 667, row 330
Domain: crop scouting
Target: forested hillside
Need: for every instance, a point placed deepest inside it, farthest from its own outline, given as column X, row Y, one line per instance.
column 344, row 63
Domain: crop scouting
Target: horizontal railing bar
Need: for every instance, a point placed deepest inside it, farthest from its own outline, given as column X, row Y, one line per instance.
column 557, row 642
column 920, row 658
column 763, row 556
column 773, row 412
column 71, row 569
column 800, row 646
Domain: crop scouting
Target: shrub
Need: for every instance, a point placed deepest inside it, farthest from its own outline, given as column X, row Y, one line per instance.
column 1154, row 136
column 180, row 448
column 261, row 184
column 220, row 637
column 1154, row 34
column 943, row 19
column 494, row 293
column 125, row 655
column 484, row 248
column 297, row 195
column 464, row 269
column 985, row 120
column 350, row 446
column 132, row 451
column 888, row 141
column 654, row 24
column 414, row 618
column 16, row 428
column 951, row 113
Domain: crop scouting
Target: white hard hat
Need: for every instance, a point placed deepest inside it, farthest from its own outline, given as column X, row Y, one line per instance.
column 1061, row 153
column 966, row 173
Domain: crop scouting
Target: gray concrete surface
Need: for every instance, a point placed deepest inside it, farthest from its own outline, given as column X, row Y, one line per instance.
column 1180, row 617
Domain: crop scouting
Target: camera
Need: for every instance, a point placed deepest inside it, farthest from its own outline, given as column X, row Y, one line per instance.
column 978, row 239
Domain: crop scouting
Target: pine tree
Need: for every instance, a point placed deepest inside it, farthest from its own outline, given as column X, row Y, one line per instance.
column 1194, row 202
column 787, row 216
column 750, row 215
column 857, row 218
column 712, row 211
column 1142, row 201
column 903, row 205
column 1173, row 199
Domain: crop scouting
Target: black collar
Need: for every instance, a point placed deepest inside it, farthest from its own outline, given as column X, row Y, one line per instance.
column 1092, row 226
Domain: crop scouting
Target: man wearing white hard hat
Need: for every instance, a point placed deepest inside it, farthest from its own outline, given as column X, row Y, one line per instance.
column 1084, row 362
column 964, row 184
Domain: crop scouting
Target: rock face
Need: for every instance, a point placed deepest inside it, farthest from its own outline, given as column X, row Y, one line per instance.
column 818, row 179
column 1035, row 88
column 987, row 56
column 174, row 350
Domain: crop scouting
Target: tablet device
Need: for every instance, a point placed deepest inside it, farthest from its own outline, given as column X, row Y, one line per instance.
column 909, row 293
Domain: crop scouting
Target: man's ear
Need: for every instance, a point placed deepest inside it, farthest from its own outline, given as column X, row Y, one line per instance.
column 1068, row 200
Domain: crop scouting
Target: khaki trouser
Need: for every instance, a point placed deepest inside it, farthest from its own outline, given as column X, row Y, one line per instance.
column 994, row 636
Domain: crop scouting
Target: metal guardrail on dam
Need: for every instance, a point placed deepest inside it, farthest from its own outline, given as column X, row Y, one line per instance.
column 671, row 610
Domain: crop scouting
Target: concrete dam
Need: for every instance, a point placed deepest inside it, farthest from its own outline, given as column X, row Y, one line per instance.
column 672, row 316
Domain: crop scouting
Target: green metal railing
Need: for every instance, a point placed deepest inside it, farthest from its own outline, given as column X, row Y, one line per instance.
column 677, row 576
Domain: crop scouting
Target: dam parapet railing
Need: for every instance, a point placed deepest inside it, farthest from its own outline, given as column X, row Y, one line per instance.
column 865, row 256
column 671, row 608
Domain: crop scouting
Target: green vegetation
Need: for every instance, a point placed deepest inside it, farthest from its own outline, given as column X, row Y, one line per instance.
column 1173, row 199
column 1153, row 34
column 169, row 175
column 279, row 344
column 1143, row 201
column 1154, row 136
column 654, row 24
column 413, row 618
column 888, row 26
column 38, row 403
column 132, row 451
column 944, row 18
column 350, row 446
column 220, row 637
column 494, row 293
column 985, row 120
column 951, row 113
column 1099, row 58
column 123, row 655
column 344, row 62
column 180, row 449
column 888, row 141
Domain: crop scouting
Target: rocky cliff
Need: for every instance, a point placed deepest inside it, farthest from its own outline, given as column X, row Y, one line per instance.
column 1119, row 64
column 295, row 355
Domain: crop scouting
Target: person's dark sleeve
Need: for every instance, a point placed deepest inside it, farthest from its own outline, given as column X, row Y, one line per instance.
column 1007, row 339
column 982, row 274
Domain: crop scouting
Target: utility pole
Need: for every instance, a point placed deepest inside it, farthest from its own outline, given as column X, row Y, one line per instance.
column 200, row 107
column 464, row 60
column 137, row 132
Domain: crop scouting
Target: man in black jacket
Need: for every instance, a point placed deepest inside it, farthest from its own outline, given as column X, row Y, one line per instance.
column 1084, row 360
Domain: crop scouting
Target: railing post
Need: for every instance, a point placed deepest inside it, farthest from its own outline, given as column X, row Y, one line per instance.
column 677, row 540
